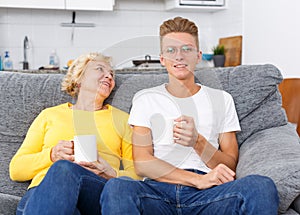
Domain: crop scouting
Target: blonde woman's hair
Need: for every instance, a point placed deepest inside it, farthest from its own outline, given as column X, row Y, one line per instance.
column 77, row 69
column 179, row 24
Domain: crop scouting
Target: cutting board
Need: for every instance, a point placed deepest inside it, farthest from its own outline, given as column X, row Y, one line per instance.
column 233, row 50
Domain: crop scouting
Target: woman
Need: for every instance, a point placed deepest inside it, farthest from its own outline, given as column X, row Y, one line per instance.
column 70, row 187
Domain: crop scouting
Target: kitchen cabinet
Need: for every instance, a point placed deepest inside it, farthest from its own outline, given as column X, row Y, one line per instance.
column 34, row 4
column 60, row 4
column 89, row 4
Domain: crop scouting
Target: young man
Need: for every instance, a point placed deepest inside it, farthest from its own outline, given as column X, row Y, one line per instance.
column 193, row 172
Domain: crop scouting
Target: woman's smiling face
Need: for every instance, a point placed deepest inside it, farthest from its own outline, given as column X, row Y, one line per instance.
column 98, row 78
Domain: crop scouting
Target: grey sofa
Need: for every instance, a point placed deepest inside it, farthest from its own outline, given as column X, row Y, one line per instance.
column 268, row 144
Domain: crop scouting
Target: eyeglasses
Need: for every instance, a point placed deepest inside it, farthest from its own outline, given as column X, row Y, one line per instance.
column 172, row 51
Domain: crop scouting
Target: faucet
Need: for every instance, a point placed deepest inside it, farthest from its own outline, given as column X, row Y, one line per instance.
column 25, row 47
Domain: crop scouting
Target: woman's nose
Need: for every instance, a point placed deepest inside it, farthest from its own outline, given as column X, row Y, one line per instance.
column 108, row 75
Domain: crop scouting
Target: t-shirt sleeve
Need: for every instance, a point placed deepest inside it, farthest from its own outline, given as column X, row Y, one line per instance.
column 231, row 121
column 139, row 113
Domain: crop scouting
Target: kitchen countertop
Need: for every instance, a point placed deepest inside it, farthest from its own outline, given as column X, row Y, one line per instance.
column 58, row 71
column 124, row 70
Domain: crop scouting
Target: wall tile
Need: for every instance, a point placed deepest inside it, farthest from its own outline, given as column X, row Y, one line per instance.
column 121, row 32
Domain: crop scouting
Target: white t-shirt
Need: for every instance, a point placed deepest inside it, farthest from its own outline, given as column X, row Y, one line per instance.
column 213, row 112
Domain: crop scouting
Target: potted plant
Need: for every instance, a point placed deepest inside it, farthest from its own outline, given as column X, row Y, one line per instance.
column 219, row 55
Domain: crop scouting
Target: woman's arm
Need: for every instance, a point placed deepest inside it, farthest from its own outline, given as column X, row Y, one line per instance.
column 31, row 157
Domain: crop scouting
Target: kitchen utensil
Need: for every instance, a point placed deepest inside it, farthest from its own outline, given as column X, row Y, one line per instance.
column 73, row 24
column 233, row 50
column 25, row 48
column 147, row 60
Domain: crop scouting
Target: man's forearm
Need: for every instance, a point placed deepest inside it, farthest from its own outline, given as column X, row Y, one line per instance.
column 162, row 171
column 212, row 156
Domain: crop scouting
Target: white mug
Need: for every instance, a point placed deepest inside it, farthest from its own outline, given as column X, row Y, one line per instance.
column 167, row 131
column 85, row 148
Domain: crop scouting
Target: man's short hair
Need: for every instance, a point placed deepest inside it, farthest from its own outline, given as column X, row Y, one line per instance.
column 179, row 24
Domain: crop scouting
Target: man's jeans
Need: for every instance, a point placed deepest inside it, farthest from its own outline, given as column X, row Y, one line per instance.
column 66, row 189
column 250, row 195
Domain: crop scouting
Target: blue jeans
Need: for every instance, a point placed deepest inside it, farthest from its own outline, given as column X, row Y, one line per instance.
column 250, row 195
column 66, row 189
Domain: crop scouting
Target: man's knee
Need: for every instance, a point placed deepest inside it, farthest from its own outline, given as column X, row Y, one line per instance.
column 260, row 185
column 116, row 186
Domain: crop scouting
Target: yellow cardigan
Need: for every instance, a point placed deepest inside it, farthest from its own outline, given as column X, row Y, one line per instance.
column 32, row 160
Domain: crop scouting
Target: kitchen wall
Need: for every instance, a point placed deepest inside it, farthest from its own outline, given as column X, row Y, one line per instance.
column 271, row 34
column 128, row 32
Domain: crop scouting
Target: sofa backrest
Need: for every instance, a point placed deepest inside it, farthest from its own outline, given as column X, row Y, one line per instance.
column 23, row 96
column 254, row 89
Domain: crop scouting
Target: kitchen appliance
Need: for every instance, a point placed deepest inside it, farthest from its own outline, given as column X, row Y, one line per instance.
column 202, row 3
column 74, row 24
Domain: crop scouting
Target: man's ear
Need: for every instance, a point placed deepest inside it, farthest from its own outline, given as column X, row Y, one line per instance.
column 162, row 60
column 199, row 55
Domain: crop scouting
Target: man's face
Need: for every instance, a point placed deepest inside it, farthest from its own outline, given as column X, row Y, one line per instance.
column 179, row 54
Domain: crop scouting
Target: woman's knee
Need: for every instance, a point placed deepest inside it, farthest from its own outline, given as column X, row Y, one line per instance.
column 63, row 166
column 62, row 169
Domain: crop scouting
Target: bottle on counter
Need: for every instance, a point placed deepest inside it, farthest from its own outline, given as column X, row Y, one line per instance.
column 53, row 59
column 7, row 63
column 1, row 67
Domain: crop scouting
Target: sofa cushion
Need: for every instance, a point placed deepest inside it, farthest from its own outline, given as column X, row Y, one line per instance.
column 7, row 186
column 258, row 103
column 254, row 89
column 8, row 204
column 23, row 97
column 128, row 84
column 275, row 153
column 296, row 204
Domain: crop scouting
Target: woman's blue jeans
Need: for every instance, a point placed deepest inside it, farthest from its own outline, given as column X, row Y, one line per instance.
column 250, row 195
column 66, row 189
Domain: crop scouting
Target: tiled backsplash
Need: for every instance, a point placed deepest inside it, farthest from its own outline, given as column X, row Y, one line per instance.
column 124, row 33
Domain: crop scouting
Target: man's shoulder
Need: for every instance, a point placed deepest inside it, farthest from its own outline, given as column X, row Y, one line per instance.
column 214, row 91
column 150, row 91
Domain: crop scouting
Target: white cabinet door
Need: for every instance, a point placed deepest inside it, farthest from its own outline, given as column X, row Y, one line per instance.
column 89, row 4
column 42, row 4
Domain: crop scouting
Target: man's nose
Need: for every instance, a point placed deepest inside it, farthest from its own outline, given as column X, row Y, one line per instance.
column 178, row 54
